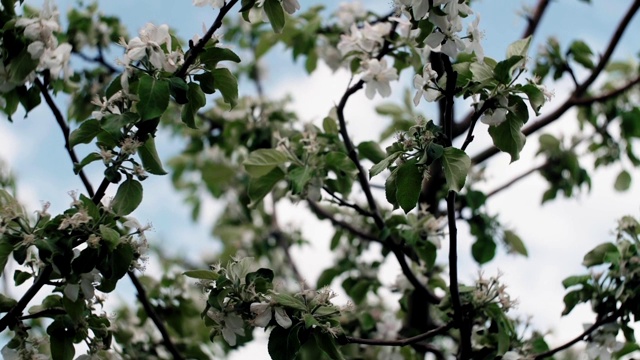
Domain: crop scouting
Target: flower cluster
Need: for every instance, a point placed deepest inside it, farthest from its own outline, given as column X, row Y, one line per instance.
column 241, row 298
column 44, row 45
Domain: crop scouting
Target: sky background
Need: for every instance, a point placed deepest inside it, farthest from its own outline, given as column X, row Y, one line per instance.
column 557, row 234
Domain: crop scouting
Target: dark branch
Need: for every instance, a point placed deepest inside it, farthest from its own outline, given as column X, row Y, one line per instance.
column 515, row 180
column 65, row 132
column 580, row 337
column 400, row 342
column 459, row 319
column 193, row 53
column 144, row 300
column 579, row 92
column 12, row 315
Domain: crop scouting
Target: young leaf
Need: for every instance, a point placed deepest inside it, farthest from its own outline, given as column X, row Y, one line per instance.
column 275, row 13
column 196, row 101
column 154, row 97
column 202, row 274
column 128, row 197
column 508, row 137
column 409, row 184
column 384, row 164
column 87, row 131
column 519, row 48
column 262, row 161
column 371, row 150
column 328, row 344
column 149, row 156
column 227, row 84
column 514, row 243
column 600, row 254
column 623, row 181
column 456, row 164
column 260, row 187
column 91, row 157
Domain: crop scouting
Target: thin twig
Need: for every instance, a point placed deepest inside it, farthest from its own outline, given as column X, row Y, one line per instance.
column 342, row 202
column 97, row 59
column 14, row 313
column 532, row 26
column 65, row 132
column 579, row 92
column 193, row 53
column 144, row 299
column 400, row 342
column 578, row 338
column 460, row 320
column 319, row 210
column 515, row 180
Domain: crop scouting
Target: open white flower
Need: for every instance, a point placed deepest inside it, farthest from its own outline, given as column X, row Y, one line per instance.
column 264, row 312
column 233, row 325
column 377, row 77
column 473, row 41
column 290, row 6
column 495, row 117
column 424, row 84
column 149, row 44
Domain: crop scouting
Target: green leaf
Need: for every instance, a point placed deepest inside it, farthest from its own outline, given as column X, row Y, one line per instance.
column 514, row 243
column 21, row 66
column 535, row 96
column 19, row 277
column 61, row 336
column 202, row 274
column 519, row 48
column 391, row 188
column 6, row 248
column 456, row 164
column 340, row 163
column 6, row 303
column 227, row 84
column 113, row 123
column 260, row 187
column 87, row 131
column 110, row 236
column 575, row 280
column 206, row 81
column 212, row 55
column 481, row 72
column 128, row 197
column 263, row 161
column 327, row 276
column 503, row 69
column 508, row 137
column 197, row 100
column 600, row 254
column 275, row 13
column 483, row 251
column 120, row 261
column 623, row 181
column 328, row 345
column 358, row 292
column 149, row 156
column 154, row 97
column 383, row 164
column 284, row 344
column 371, row 150
column 409, row 184
column 289, row 301
column 582, row 54
column 330, row 125
column 299, row 177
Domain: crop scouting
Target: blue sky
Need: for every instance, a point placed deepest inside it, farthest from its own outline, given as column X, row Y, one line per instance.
column 557, row 234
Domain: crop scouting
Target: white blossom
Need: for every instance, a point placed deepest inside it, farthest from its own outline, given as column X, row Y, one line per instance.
column 233, row 325
column 473, row 40
column 216, row 4
column 377, row 77
column 348, row 13
column 149, row 44
column 264, row 312
column 290, row 6
column 495, row 117
column 424, row 84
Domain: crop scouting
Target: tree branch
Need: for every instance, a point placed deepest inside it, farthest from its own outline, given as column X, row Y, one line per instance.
column 578, row 93
column 144, row 299
column 516, row 179
column 400, row 342
column 65, row 132
column 459, row 320
column 193, row 53
column 578, row 338
column 319, row 210
column 12, row 315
